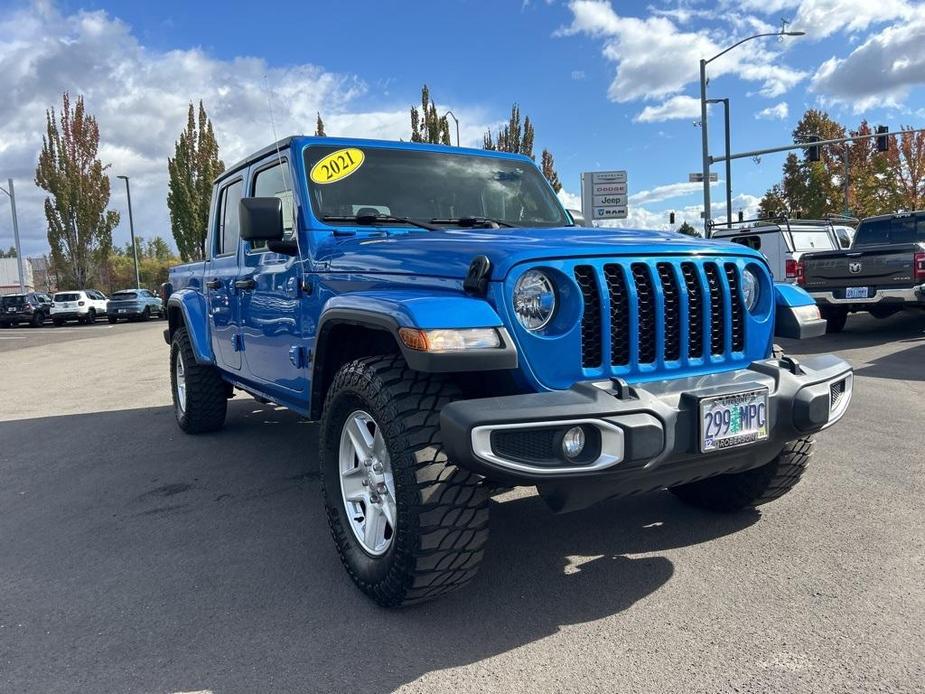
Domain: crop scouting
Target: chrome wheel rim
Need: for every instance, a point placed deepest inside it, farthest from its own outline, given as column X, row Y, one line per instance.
column 367, row 484
column 181, row 384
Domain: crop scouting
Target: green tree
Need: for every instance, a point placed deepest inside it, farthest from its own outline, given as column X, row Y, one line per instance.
column 319, row 126
column 192, row 169
column 518, row 137
column 549, row 170
column 426, row 124
column 687, row 229
column 79, row 225
column 11, row 253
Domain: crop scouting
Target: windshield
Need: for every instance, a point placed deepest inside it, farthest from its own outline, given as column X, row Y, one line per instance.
column 66, row 297
column 904, row 228
column 811, row 240
column 123, row 296
column 424, row 186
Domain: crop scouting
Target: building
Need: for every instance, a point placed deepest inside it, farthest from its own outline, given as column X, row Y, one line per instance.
column 9, row 276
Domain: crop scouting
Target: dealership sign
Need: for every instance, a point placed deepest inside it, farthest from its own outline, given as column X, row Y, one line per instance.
column 604, row 195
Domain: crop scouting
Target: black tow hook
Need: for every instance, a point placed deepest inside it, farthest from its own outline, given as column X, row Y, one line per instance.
column 623, row 390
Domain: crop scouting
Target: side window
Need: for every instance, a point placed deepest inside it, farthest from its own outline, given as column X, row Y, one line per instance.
column 229, row 228
column 275, row 182
column 873, row 232
column 749, row 241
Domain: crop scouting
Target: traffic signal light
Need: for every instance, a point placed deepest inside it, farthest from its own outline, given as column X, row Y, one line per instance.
column 741, row 216
column 812, row 152
column 883, row 141
column 671, row 218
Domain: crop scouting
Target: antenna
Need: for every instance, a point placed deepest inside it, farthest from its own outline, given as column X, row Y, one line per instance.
column 279, row 159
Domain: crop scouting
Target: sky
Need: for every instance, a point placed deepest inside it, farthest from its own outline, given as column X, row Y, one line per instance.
column 608, row 84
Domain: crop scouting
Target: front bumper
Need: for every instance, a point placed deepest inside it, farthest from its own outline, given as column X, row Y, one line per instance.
column 649, row 434
column 914, row 296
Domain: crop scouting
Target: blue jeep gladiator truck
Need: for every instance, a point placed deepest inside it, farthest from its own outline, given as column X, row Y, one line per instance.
column 453, row 331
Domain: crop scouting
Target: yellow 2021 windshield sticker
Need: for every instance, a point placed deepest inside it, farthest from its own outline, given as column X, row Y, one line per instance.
column 336, row 166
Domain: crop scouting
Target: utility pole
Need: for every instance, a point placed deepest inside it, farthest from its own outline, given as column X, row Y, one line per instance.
column 131, row 228
column 847, row 150
column 725, row 103
column 703, row 116
column 12, row 195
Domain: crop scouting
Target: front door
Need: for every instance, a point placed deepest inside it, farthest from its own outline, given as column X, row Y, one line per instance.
column 274, row 350
column 221, row 271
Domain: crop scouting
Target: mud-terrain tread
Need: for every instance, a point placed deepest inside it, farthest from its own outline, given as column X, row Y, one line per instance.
column 443, row 509
column 751, row 488
column 206, row 398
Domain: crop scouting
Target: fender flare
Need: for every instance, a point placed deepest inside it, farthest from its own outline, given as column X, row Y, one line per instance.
column 796, row 315
column 193, row 317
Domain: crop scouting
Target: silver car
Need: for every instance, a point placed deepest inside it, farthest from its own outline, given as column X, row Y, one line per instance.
column 134, row 304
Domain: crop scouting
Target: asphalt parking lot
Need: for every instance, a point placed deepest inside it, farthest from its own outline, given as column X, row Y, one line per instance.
column 134, row 558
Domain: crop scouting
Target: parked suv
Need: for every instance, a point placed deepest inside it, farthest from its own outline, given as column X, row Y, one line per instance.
column 456, row 334
column 32, row 308
column 84, row 306
column 784, row 242
column 134, row 304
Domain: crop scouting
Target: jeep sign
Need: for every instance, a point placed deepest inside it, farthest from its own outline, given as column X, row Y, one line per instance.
column 604, row 195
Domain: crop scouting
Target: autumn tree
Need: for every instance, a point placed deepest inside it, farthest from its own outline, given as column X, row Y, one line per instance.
column 79, row 225
column 193, row 168
column 905, row 167
column 427, row 125
column 319, row 127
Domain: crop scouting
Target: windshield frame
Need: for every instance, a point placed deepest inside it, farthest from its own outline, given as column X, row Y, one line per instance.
column 317, row 216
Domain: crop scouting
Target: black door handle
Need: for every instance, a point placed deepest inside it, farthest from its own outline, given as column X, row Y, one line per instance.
column 214, row 284
column 249, row 283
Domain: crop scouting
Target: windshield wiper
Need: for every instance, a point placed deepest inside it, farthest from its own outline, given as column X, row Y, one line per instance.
column 374, row 219
column 472, row 222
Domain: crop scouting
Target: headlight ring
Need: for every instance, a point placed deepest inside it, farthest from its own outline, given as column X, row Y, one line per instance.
column 534, row 300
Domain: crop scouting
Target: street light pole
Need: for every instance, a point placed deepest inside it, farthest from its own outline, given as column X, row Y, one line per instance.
column 725, row 103
column 131, row 228
column 12, row 195
column 703, row 114
column 450, row 113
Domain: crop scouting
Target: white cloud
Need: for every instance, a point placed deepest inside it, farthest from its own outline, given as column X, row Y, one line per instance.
column 675, row 107
column 879, row 72
column 822, row 18
column 654, row 59
column 578, row 75
column 776, row 112
column 666, row 192
column 140, row 96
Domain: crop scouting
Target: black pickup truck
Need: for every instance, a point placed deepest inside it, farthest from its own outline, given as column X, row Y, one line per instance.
column 882, row 273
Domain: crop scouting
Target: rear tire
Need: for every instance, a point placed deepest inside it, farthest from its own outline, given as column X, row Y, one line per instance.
column 727, row 493
column 835, row 319
column 441, row 509
column 200, row 405
column 112, row 319
column 58, row 322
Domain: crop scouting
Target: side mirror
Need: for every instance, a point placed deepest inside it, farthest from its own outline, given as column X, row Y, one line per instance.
column 261, row 219
column 578, row 218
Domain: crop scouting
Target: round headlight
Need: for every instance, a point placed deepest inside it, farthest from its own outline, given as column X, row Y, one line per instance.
column 750, row 289
column 534, row 300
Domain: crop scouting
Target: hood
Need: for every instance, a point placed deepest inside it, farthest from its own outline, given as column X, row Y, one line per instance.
column 448, row 253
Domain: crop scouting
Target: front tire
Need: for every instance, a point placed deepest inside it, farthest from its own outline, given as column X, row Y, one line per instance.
column 146, row 314
column 112, row 319
column 380, row 412
column 57, row 322
column 751, row 488
column 38, row 318
column 199, row 393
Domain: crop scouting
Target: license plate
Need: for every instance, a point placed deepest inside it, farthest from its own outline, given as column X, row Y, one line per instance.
column 11, row 310
column 122, row 310
column 856, row 293
column 727, row 421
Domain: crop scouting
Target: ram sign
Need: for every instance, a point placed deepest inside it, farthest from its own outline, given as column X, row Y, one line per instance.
column 604, row 195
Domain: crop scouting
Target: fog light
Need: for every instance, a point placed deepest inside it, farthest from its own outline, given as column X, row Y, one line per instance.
column 573, row 443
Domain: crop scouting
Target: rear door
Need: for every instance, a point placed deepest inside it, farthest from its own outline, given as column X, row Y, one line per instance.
column 271, row 305
column 221, row 271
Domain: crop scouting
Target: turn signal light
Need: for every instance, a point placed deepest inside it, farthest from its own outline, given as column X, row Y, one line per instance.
column 450, row 340
column 81, row 303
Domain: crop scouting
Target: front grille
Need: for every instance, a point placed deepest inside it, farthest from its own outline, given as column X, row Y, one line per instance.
column 662, row 312
column 530, row 445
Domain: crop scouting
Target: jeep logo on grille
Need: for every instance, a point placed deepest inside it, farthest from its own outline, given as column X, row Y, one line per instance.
column 854, row 268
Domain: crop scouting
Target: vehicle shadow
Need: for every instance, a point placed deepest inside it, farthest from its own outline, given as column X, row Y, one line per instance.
column 141, row 559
